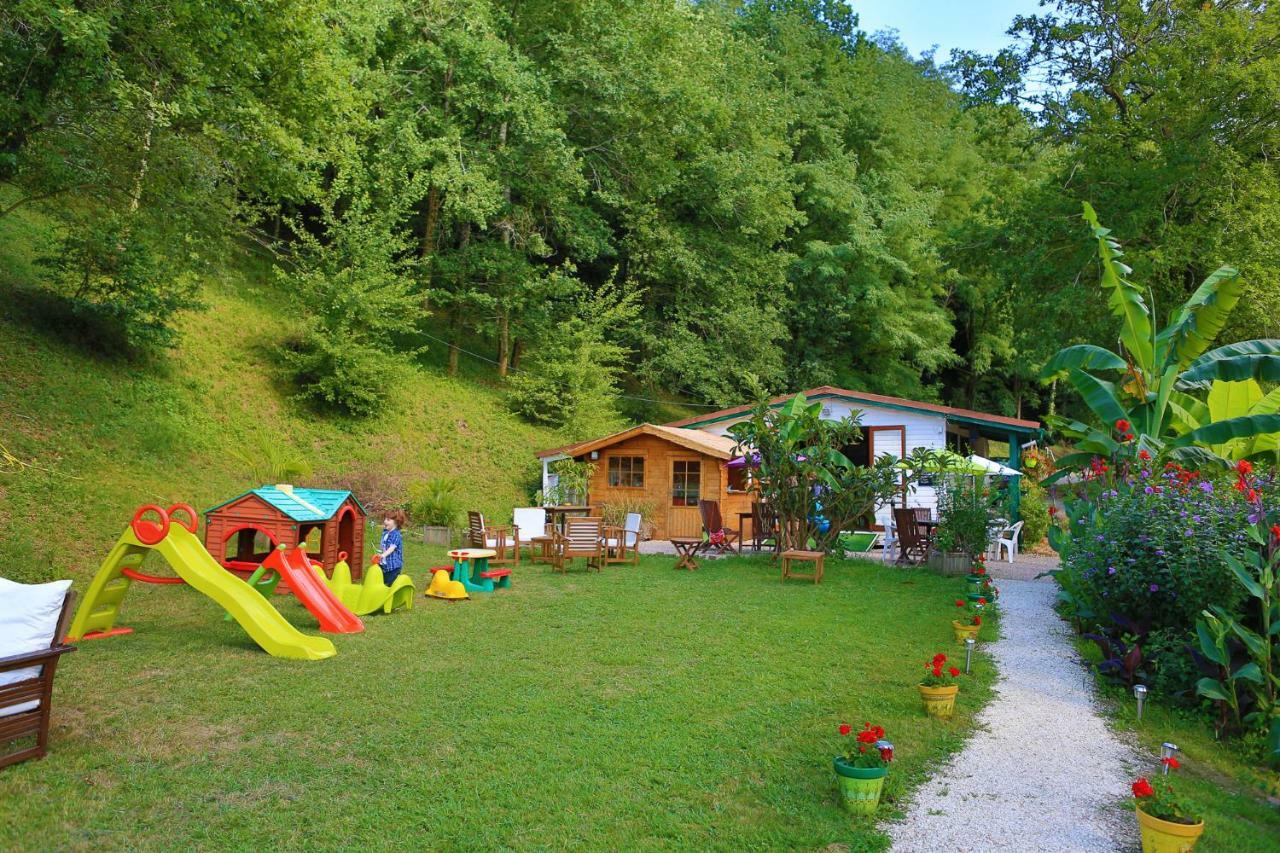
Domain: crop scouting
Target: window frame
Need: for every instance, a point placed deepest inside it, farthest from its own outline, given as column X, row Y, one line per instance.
column 631, row 459
column 682, row 491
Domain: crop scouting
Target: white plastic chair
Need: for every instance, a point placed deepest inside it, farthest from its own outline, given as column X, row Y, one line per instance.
column 890, row 541
column 529, row 522
column 1008, row 540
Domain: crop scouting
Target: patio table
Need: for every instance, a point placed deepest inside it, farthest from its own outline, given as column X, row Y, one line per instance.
column 687, row 548
column 560, row 513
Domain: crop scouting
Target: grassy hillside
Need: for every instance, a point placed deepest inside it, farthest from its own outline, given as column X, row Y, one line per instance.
column 88, row 438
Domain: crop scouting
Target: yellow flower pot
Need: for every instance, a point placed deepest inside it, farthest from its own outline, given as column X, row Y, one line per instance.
column 963, row 631
column 939, row 702
column 1162, row 836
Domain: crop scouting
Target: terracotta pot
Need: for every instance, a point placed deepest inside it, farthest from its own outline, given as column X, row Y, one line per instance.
column 1163, row 836
column 964, row 631
column 860, row 787
column 939, row 702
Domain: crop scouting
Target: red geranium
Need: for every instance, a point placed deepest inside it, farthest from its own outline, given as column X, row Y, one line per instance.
column 954, row 672
column 977, row 620
column 959, row 603
column 1171, row 763
column 845, row 728
column 863, row 751
column 982, row 601
column 1142, row 788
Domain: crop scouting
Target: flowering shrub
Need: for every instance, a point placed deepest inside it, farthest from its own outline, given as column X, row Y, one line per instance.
column 937, row 673
column 868, row 748
column 1161, row 800
column 1153, row 548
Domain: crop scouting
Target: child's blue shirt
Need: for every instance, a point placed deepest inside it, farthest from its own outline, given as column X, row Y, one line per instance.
column 395, row 560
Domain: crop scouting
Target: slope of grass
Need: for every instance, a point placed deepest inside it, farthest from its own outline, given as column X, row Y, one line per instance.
column 641, row 707
column 89, row 439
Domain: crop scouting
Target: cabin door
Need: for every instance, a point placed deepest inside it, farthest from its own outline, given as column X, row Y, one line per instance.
column 683, row 519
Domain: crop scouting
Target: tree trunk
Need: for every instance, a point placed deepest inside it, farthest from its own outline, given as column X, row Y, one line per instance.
column 504, row 315
column 504, row 341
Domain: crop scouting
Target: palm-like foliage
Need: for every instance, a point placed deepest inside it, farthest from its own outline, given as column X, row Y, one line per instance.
column 1155, row 372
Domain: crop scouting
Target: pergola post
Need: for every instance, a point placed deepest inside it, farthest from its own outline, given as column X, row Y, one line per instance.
column 1015, row 483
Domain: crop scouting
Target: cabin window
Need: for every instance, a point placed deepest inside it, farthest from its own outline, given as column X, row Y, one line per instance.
column 626, row 472
column 686, row 482
column 739, row 479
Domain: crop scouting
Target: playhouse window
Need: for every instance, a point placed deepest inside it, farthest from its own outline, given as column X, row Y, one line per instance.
column 313, row 538
column 626, row 471
column 247, row 545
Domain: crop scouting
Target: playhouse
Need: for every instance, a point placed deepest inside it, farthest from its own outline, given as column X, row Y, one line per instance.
column 240, row 533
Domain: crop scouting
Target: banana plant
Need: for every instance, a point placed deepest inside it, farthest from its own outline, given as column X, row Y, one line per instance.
column 1154, row 373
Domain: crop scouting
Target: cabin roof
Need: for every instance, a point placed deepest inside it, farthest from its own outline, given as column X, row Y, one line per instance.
column 718, row 446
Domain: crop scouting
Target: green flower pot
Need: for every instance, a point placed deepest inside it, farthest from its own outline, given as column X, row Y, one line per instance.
column 975, row 585
column 860, row 787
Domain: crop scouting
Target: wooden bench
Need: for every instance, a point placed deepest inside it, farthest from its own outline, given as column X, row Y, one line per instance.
column 794, row 555
column 503, row 575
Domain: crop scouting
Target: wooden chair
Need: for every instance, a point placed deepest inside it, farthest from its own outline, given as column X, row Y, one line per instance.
column 532, row 531
column 25, row 704
column 713, row 523
column 797, row 534
column 581, row 538
column 622, row 544
column 913, row 546
column 764, row 526
column 499, row 539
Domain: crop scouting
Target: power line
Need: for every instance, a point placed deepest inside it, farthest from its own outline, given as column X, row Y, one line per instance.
column 485, row 358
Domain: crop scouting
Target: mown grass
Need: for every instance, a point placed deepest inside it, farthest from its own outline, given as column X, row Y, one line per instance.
column 638, row 708
column 1239, row 798
column 96, row 437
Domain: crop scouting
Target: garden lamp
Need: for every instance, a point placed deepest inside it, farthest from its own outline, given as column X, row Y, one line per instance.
column 1140, row 693
column 969, row 643
column 1167, row 750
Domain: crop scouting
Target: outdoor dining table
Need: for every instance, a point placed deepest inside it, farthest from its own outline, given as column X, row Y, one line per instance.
column 686, row 548
column 560, row 513
column 468, row 564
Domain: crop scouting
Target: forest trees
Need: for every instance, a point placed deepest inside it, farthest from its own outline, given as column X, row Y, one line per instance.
column 785, row 201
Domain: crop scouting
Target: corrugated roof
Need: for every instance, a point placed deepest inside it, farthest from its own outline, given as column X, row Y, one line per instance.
column 298, row 504
column 719, row 446
column 871, row 400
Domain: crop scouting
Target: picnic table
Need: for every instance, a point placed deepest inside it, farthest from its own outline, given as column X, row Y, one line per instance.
column 471, row 569
column 687, row 548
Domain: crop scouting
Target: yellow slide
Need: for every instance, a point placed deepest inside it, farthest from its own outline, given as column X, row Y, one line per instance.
column 193, row 564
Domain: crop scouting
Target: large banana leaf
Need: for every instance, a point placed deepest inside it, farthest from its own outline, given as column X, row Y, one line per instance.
column 1257, row 359
column 1198, row 458
column 1099, row 395
column 1228, row 400
column 1201, row 318
column 1083, row 357
column 1126, row 299
column 1187, row 412
column 1221, row 432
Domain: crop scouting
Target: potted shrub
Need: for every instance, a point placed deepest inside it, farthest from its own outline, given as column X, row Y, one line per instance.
column 1167, row 822
column 434, row 505
column 938, row 688
column 962, row 526
column 969, row 623
column 861, row 768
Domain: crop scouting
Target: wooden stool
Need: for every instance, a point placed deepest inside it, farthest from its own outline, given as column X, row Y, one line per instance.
column 794, row 555
column 544, row 545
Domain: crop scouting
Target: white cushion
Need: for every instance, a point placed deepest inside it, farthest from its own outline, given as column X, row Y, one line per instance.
column 530, row 522
column 28, row 619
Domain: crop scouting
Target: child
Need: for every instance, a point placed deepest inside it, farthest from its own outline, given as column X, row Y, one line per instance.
column 392, row 545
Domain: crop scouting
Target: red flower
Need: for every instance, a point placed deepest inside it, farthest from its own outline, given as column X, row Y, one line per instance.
column 977, row 620
column 1053, row 510
column 867, row 736
column 1142, row 788
column 862, row 748
column 937, row 670
column 1122, row 425
column 1251, row 496
column 959, row 603
column 845, row 728
column 1275, row 532
column 1244, row 466
column 1128, row 436
column 939, row 658
column 954, row 672
column 886, row 754
column 1171, row 763
column 1144, row 455
column 981, row 570
column 982, row 601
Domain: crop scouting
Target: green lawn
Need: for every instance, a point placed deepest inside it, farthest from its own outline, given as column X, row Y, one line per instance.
column 641, row 707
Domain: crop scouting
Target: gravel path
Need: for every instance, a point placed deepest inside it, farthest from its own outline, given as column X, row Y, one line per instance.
column 1043, row 770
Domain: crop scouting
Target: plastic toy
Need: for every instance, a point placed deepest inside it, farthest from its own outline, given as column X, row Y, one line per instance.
column 442, row 587
column 195, row 566
column 373, row 593
column 308, row 583
column 282, row 513
column 471, row 569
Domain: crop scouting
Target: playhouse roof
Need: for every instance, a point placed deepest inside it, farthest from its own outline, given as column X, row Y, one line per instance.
column 299, row 504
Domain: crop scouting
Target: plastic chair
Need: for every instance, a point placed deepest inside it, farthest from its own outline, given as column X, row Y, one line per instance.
column 1008, row 539
column 622, row 544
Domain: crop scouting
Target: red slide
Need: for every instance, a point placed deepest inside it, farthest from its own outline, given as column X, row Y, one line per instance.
column 294, row 567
